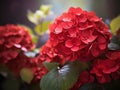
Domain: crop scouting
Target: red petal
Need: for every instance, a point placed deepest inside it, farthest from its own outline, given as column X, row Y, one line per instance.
column 66, row 17
column 93, row 17
column 68, row 43
column 71, row 9
column 72, row 32
column 58, row 29
column 78, row 11
column 102, row 46
column 75, row 48
column 94, row 50
column 66, row 25
column 113, row 69
column 101, row 39
column 2, row 40
column 86, row 36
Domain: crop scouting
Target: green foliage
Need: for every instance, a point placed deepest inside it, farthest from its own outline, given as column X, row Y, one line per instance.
column 35, row 17
column 39, row 18
column 26, row 75
column 11, row 84
column 33, row 86
column 45, row 9
column 115, row 25
column 114, row 44
column 42, row 28
column 91, row 86
column 39, row 14
column 34, row 39
column 51, row 66
column 62, row 78
column 114, row 85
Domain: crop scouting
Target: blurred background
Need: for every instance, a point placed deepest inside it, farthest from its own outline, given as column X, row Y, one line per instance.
column 15, row 11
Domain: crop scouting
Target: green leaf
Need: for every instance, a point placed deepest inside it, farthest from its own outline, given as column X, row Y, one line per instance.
column 34, row 39
column 114, row 43
column 115, row 25
column 45, row 8
column 33, row 86
column 64, row 78
column 11, row 84
column 42, row 28
column 112, row 85
column 35, row 17
column 51, row 66
column 26, row 75
column 91, row 86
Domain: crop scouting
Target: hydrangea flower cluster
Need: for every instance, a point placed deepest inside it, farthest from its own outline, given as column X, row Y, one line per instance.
column 48, row 54
column 107, row 68
column 79, row 34
column 13, row 40
column 33, row 64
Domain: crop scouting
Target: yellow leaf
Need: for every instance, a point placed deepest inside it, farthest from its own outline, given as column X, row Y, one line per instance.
column 26, row 75
column 46, row 9
column 42, row 28
column 115, row 24
column 35, row 17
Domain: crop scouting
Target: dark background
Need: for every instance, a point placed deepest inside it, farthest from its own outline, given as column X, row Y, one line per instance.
column 107, row 9
column 15, row 11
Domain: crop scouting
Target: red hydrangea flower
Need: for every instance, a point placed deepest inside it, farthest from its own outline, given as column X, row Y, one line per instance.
column 34, row 64
column 48, row 54
column 84, row 78
column 39, row 72
column 78, row 34
column 16, row 64
column 118, row 34
column 13, row 39
column 107, row 68
column 37, row 67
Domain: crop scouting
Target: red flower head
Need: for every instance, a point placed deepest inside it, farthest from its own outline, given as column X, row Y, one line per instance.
column 15, row 65
column 79, row 34
column 108, row 66
column 118, row 33
column 37, row 67
column 13, row 39
column 84, row 78
column 34, row 64
column 48, row 54
column 39, row 72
